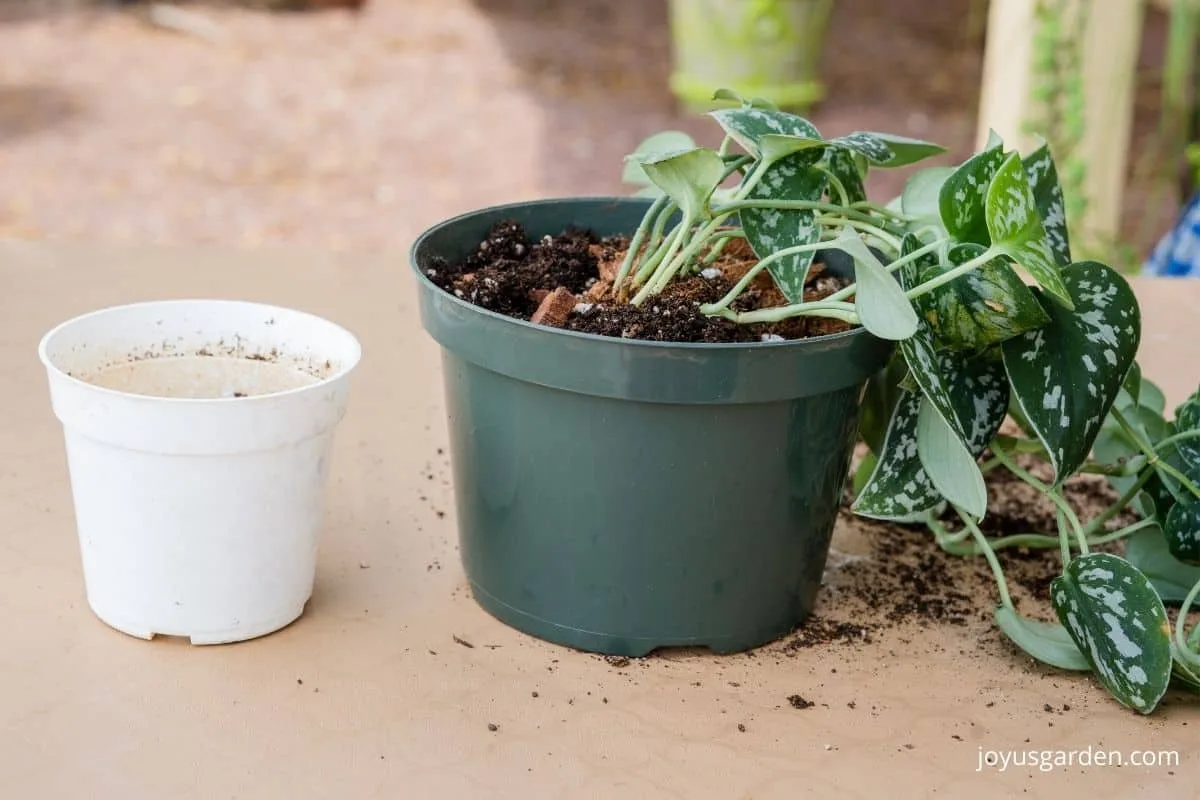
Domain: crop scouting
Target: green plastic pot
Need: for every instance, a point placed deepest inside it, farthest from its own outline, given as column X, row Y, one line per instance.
column 758, row 48
column 618, row 496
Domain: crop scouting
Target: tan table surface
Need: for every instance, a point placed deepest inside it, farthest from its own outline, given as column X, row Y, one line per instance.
column 368, row 695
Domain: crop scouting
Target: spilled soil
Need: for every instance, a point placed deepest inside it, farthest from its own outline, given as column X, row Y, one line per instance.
column 566, row 281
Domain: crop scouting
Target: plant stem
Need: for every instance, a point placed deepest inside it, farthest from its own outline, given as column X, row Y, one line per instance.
column 1151, row 454
column 635, row 245
column 752, row 273
column 1116, row 508
column 1171, row 441
column 660, row 255
column 1053, row 494
column 840, row 311
column 1064, row 539
column 863, row 227
column 836, row 183
column 1181, row 643
column 1037, row 541
column 946, row 277
column 845, row 292
column 794, row 205
column 982, row 543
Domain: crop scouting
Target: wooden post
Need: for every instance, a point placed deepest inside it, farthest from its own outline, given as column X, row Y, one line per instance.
column 1111, row 43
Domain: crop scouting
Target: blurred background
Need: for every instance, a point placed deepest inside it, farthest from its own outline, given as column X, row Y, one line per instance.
column 355, row 123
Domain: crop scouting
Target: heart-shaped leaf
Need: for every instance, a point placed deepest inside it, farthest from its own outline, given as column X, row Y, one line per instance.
column 1067, row 373
column 1119, row 623
column 749, row 125
column 687, row 177
column 879, row 299
column 841, row 165
column 921, row 192
column 1187, row 418
column 1048, row 197
column 659, row 143
column 1048, row 642
column 962, row 199
column 949, row 463
column 985, row 307
column 1182, row 532
column 898, row 490
column 1016, row 228
column 887, row 150
column 1170, row 577
column 769, row 230
column 976, row 395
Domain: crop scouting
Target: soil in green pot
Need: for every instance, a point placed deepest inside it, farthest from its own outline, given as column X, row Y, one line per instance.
column 565, row 281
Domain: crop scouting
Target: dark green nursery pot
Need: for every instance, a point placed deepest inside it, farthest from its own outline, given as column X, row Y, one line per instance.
column 618, row 496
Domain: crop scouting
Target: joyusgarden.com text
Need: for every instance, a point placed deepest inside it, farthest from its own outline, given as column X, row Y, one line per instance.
column 1048, row 760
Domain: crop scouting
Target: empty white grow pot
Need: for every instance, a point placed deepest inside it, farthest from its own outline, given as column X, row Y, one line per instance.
column 198, row 438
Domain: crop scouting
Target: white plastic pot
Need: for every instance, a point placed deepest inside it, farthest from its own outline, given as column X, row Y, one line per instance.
column 198, row 438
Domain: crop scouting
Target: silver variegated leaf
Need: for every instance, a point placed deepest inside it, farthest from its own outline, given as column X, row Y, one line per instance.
column 1119, row 623
column 748, row 125
column 1182, row 532
column 1187, row 418
column 1048, row 197
column 962, row 198
column 841, row 164
column 887, row 150
column 1067, row 373
column 986, row 306
column 1016, row 229
column 770, row 230
column 899, row 490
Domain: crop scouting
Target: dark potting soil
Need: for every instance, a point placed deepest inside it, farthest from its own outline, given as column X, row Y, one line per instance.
column 569, row 278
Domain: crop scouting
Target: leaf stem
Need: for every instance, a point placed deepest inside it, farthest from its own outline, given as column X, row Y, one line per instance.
column 1097, row 523
column 794, row 205
column 863, row 227
column 990, row 555
column 1052, row 494
column 949, row 275
column 1181, row 641
column 639, row 236
column 840, row 311
column 846, row 291
column 1151, row 453
column 1037, row 541
column 752, row 273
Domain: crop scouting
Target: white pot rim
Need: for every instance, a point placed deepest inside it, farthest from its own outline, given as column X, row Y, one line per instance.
column 346, row 365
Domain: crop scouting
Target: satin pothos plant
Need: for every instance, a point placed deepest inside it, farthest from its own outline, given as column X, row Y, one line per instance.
column 969, row 271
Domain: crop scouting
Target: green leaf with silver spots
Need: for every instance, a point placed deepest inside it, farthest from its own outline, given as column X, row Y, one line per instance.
column 1048, row 197
column 1067, row 373
column 728, row 95
column 772, row 230
column 841, row 165
column 899, row 489
column 887, row 150
column 1016, row 229
column 1048, row 642
column 975, row 395
column 748, row 125
column 1187, row 418
column 1119, row 623
column 985, row 307
column 1182, row 532
column 962, row 197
